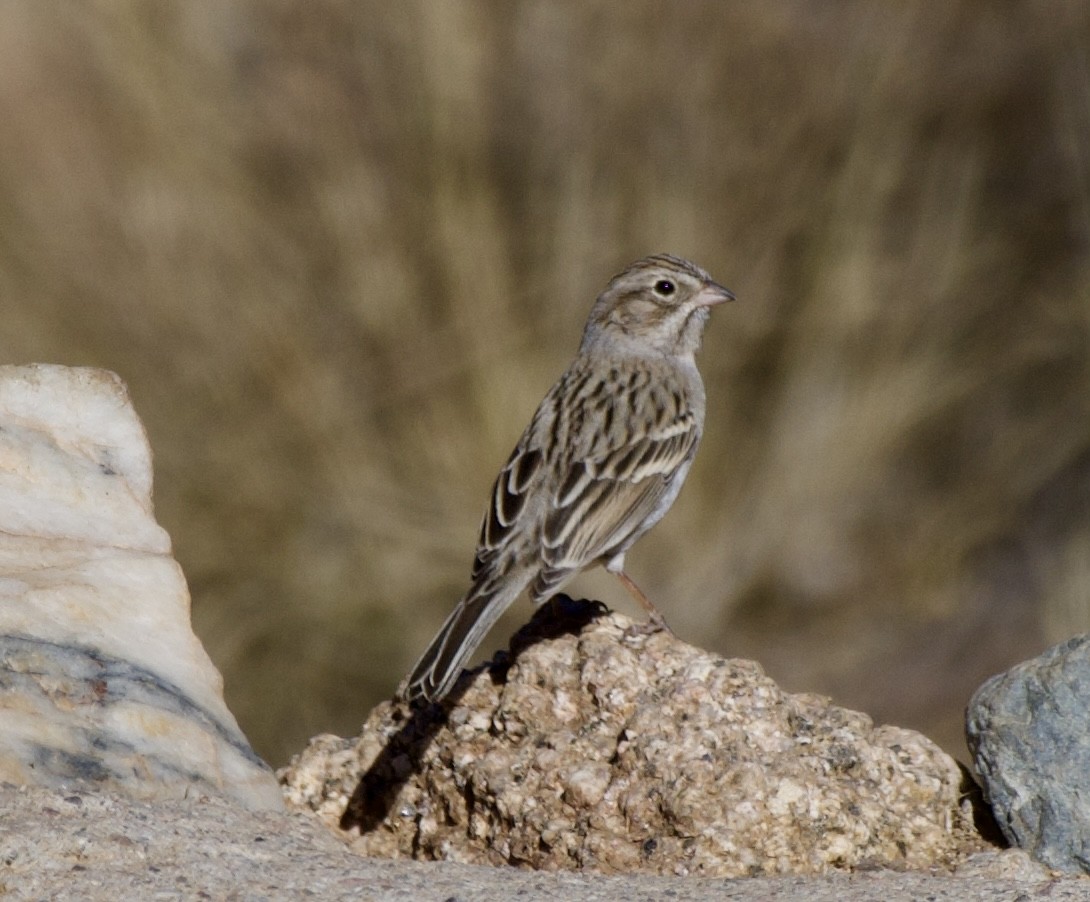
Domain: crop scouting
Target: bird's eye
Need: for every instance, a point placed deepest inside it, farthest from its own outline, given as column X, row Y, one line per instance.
column 665, row 287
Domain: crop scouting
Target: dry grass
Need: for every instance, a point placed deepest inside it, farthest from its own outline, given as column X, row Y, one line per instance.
column 340, row 249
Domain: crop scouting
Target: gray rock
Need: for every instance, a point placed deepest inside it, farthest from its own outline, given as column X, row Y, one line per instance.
column 600, row 748
column 1029, row 734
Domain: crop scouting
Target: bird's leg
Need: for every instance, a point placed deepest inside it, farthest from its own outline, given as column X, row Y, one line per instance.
column 656, row 622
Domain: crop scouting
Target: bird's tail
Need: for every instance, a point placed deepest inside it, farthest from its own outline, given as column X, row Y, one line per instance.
column 441, row 664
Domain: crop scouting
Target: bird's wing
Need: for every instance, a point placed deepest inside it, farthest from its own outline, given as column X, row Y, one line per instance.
column 513, row 488
column 606, row 496
column 598, row 458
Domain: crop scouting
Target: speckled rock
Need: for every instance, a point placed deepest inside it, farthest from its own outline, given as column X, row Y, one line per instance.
column 99, row 847
column 596, row 747
column 1027, row 730
column 102, row 681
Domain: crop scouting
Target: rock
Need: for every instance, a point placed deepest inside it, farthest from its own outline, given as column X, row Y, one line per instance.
column 103, row 681
column 1007, row 864
column 100, row 846
column 603, row 749
column 1027, row 731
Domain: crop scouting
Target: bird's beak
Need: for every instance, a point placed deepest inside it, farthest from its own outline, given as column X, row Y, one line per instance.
column 711, row 294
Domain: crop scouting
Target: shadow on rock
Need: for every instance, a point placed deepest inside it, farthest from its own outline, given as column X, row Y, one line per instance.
column 379, row 786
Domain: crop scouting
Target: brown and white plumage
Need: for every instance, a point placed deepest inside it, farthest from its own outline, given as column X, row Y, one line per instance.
column 600, row 463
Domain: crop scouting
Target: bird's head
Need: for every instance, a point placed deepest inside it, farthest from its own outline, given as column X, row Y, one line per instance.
column 657, row 305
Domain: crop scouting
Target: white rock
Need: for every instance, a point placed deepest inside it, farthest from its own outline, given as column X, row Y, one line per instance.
column 103, row 680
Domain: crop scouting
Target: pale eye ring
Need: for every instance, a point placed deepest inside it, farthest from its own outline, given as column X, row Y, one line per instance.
column 665, row 288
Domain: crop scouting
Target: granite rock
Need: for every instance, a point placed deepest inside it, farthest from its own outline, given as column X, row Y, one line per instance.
column 101, row 846
column 103, row 681
column 595, row 747
column 1028, row 733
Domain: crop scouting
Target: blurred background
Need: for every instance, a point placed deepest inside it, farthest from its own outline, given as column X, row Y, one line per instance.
column 339, row 250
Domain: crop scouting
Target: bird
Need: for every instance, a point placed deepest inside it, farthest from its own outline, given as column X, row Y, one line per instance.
column 600, row 463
